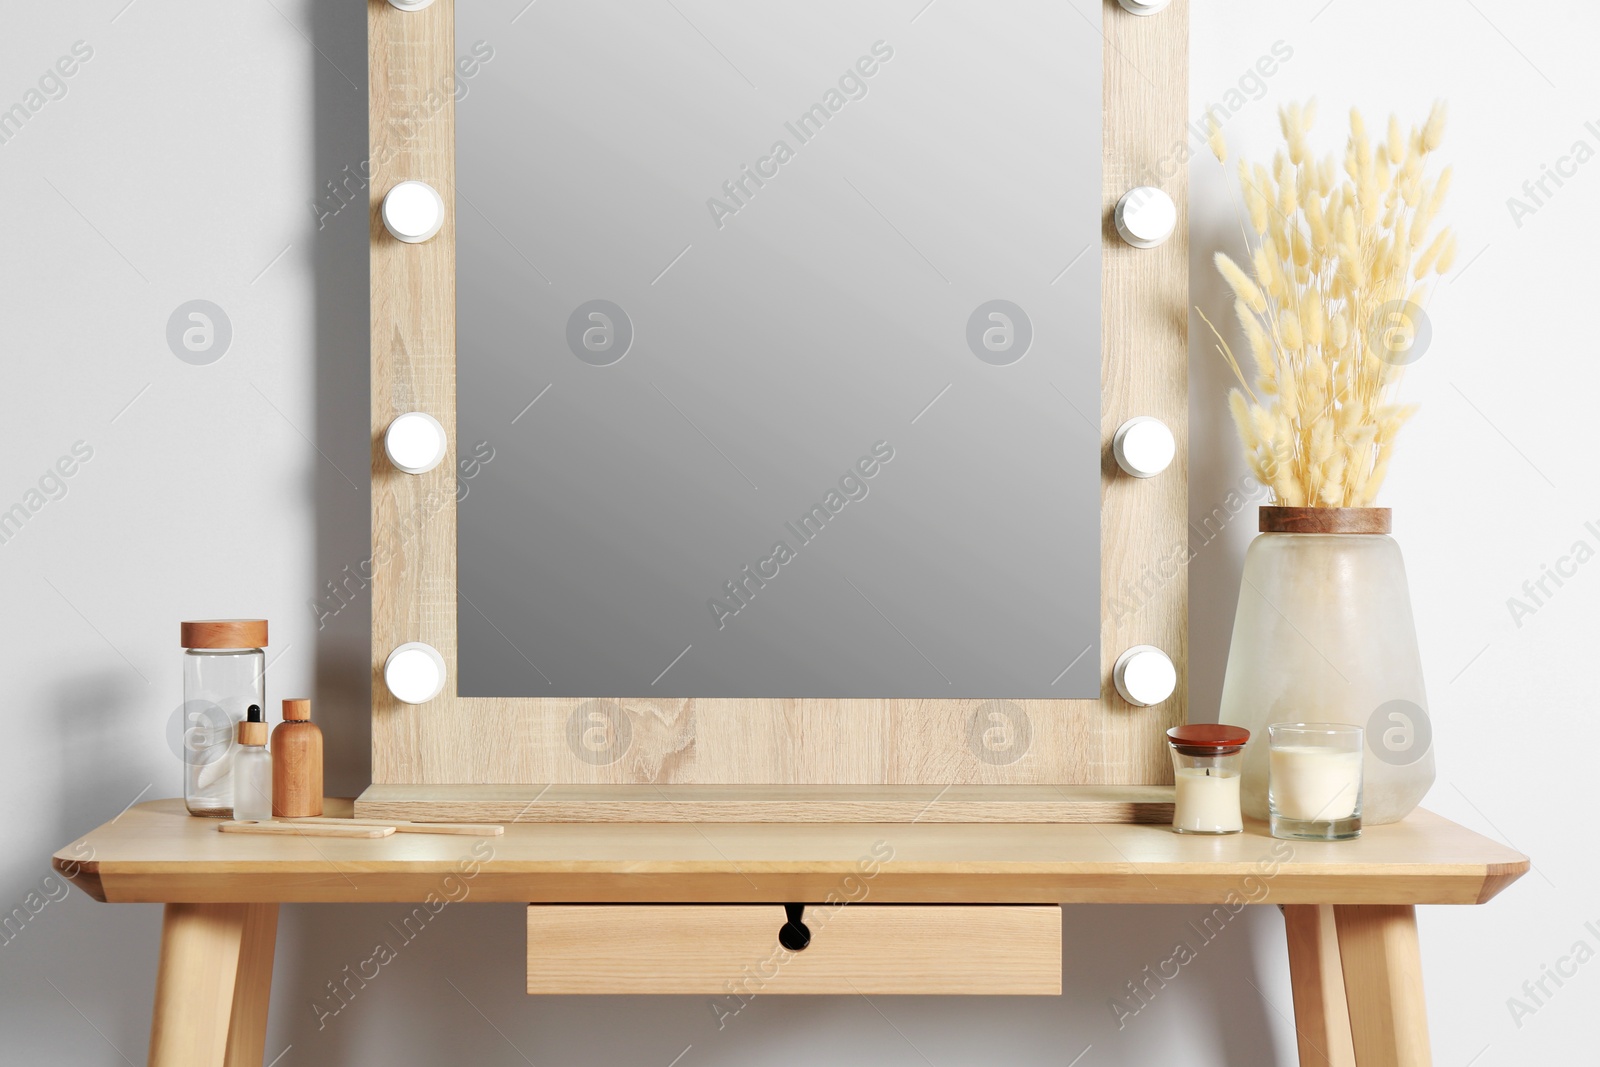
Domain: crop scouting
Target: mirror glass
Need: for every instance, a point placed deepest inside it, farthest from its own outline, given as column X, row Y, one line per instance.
column 778, row 348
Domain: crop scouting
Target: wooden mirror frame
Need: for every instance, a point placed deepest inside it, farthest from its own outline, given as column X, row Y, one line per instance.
column 776, row 759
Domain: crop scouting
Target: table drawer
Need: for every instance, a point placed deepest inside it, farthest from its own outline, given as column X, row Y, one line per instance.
column 733, row 949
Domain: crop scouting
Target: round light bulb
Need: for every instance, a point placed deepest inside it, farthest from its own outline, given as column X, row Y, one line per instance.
column 413, row 212
column 1146, row 216
column 410, row 5
column 414, row 672
column 1145, row 676
column 1144, row 447
column 415, row 442
column 1138, row 7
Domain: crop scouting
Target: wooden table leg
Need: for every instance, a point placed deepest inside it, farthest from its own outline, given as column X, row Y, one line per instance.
column 194, row 984
column 1383, row 982
column 252, row 987
column 1321, row 1014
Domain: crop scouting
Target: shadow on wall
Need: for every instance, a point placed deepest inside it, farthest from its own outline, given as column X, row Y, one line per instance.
column 337, row 209
column 336, row 205
column 1222, row 502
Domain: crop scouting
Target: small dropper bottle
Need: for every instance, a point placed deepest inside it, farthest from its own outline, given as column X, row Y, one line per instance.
column 252, row 769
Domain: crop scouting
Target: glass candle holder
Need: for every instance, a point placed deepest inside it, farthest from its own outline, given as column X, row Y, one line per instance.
column 1207, row 760
column 1314, row 780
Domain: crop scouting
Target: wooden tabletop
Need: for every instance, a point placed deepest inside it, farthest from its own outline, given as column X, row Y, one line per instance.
column 155, row 852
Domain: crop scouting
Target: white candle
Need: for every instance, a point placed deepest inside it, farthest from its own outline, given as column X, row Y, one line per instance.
column 1207, row 801
column 1311, row 784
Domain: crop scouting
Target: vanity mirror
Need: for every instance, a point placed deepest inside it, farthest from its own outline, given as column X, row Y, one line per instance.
column 780, row 354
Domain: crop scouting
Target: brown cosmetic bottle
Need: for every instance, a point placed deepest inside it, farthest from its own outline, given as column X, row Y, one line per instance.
column 296, row 763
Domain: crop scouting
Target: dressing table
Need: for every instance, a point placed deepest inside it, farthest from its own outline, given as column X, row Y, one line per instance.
column 919, row 907
column 875, row 759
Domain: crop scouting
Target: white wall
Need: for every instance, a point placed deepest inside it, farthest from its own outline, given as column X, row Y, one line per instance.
column 180, row 164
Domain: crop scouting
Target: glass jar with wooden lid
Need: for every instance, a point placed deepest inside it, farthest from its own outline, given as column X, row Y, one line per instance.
column 224, row 672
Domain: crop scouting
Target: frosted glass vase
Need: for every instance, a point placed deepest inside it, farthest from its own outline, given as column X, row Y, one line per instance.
column 1324, row 633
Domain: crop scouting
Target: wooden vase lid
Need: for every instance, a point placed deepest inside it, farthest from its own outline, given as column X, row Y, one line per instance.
column 224, row 633
column 297, row 709
column 1325, row 520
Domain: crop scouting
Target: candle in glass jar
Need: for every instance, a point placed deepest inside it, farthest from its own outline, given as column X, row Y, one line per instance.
column 1206, row 763
column 1311, row 783
column 1206, row 801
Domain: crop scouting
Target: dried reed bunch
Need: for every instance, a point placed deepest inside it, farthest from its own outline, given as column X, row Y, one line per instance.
column 1341, row 261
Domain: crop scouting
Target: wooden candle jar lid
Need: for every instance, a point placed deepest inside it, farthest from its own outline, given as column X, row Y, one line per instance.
column 224, row 633
column 1207, row 739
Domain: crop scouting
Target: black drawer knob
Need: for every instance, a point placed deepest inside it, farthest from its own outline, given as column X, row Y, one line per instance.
column 794, row 935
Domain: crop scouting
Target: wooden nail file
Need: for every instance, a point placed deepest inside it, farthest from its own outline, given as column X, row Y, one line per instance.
column 289, row 829
column 406, row 826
